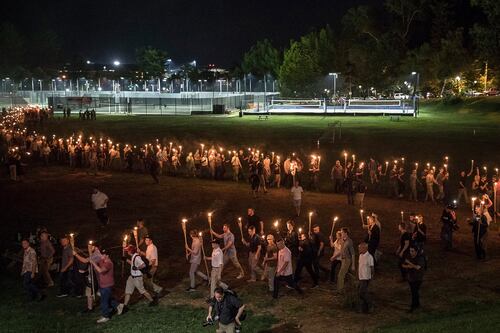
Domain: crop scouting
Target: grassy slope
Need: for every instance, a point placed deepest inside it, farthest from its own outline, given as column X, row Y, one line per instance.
column 465, row 317
column 61, row 315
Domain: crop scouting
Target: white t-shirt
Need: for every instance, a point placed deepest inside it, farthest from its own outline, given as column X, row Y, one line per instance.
column 137, row 262
column 196, row 251
column 99, row 200
column 365, row 266
column 152, row 253
column 284, row 255
column 217, row 258
column 297, row 192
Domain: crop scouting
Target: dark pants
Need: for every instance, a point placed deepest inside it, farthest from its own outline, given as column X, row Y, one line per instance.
column 363, row 295
column 308, row 266
column 401, row 269
column 108, row 303
column 66, row 283
column 333, row 269
column 289, row 280
column 350, row 194
column 415, row 295
column 80, row 283
column 30, row 286
column 102, row 215
column 337, row 185
column 479, row 247
column 317, row 267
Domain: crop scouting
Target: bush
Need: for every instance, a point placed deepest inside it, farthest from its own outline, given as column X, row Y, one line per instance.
column 452, row 100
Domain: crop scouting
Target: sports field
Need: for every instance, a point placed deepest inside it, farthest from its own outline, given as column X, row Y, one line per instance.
column 458, row 293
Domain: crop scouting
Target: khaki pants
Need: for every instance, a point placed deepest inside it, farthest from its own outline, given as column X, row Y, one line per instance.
column 149, row 281
column 229, row 328
column 270, row 272
column 193, row 271
column 234, row 260
column 215, row 280
column 344, row 269
column 45, row 264
column 253, row 263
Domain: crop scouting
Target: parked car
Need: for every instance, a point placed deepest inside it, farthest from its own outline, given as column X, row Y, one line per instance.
column 401, row 96
column 492, row 92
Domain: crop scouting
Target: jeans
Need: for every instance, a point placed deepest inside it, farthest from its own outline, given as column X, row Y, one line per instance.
column 363, row 295
column 333, row 268
column 415, row 295
column 66, row 282
column 30, row 286
column 108, row 303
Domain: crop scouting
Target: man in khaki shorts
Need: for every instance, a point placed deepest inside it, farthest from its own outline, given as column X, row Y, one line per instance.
column 135, row 280
column 217, row 264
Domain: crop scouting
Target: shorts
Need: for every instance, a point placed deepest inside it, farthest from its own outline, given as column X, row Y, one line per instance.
column 135, row 283
column 296, row 203
column 88, row 292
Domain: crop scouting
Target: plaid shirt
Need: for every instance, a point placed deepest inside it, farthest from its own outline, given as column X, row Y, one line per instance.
column 29, row 261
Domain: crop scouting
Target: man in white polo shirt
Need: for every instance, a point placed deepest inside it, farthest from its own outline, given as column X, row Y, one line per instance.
column 297, row 196
column 365, row 273
column 100, row 205
column 217, row 264
column 135, row 280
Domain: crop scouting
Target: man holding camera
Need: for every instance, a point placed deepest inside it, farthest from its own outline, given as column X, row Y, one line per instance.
column 228, row 310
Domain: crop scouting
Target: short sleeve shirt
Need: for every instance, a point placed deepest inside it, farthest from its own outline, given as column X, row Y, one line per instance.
column 217, row 258
column 196, row 251
column 229, row 237
column 227, row 309
column 99, row 200
column 67, row 254
column 365, row 265
column 254, row 220
column 137, row 262
column 270, row 252
column 297, row 192
column 254, row 243
column 152, row 253
column 284, row 255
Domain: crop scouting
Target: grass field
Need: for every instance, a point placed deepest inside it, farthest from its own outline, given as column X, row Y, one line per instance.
column 458, row 293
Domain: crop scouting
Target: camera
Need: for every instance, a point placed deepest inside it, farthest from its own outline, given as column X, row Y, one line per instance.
column 208, row 323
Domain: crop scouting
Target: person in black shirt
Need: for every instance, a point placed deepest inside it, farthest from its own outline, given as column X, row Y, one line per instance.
column 228, row 310
column 414, row 265
column 479, row 225
column 292, row 238
column 403, row 248
column 419, row 235
column 305, row 259
column 373, row 235
column 255, row 248
column 255, row 221
column 449, row 221
column 462, row 186
column 318, row 242
column 348, row 179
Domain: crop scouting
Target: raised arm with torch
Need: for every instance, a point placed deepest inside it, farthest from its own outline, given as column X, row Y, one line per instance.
column 184, row 221
column 210, row 225
column 402, row 217
column 203, row 252
column 361, row 215
column 91, row 270
column 135, row 237
column 310, row 222
column 335, row 219
column 241, row 227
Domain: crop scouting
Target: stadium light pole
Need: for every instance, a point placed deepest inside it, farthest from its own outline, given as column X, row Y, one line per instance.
column 334, row 87
column 415, row 89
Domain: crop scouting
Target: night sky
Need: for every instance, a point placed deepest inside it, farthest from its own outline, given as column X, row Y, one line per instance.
column 210, row 31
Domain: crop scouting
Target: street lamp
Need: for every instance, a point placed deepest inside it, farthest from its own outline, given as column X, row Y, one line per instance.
column 116, row 63
column 415, row 87
column 334, row 82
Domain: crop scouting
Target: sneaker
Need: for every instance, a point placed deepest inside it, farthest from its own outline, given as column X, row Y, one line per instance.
column 86, row 311
column 251, row 280
column 190, row 290
column 102, row 320
column 241, row 276
column 119, row 309
column 153, row 303
column 61, row 295
column 50, row 285
column 315, row 286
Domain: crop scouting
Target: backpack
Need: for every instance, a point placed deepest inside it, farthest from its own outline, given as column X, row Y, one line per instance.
column 146, row 268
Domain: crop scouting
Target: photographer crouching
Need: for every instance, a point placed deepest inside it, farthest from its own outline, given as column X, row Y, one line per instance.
column 228, row 311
